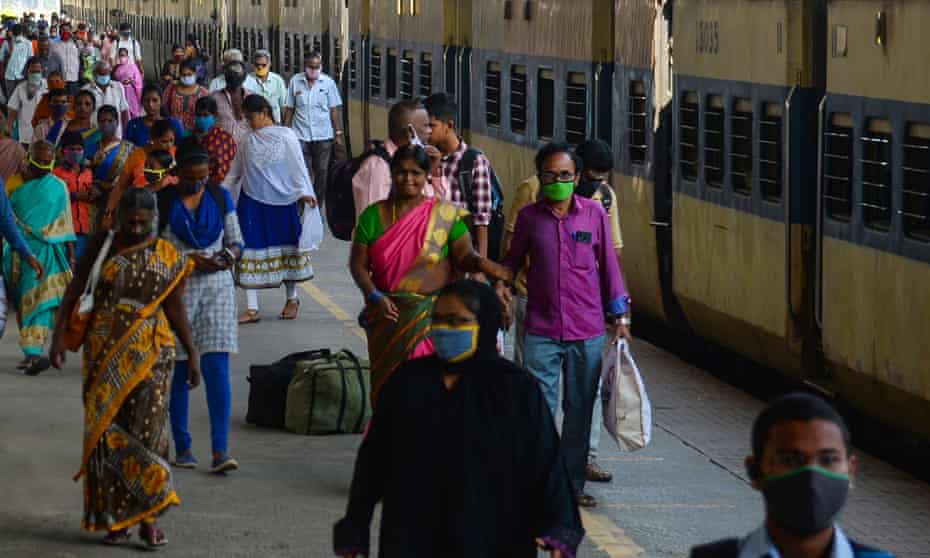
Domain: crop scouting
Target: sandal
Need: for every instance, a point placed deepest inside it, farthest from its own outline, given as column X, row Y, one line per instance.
column 23, row 364
column 37, row 366
column 249, row 317
column 586, row 500
column 290, row 310
column 117, row 538
column 152, row 535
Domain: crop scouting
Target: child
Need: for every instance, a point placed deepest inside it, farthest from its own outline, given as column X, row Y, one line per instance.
column 156, row 174
column 80, row 181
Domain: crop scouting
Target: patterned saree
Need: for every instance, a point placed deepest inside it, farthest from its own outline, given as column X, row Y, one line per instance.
column 407, row 253
column 128, row 364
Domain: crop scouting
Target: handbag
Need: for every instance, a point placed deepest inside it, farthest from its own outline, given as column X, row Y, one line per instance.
column 627, row 411
column 76, row 329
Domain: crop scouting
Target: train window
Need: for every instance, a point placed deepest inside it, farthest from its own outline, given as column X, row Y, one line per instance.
column 638, row 121
column 713, row 141
column 391, row 91
column 576, row 108
column 916, row 198
column 741, row 147
column 375, row 72
column 876, row 174
column 688, row 135
column 545, row 104
column 426, row 74
column 337, row 55
column 837, row 167
column 493, row 94
column 518, row 99
column 406, row 75
column 287, row 50
column 770, row 151
column 353, row 65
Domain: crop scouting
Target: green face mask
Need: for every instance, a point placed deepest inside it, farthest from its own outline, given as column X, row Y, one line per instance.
column 558, row 191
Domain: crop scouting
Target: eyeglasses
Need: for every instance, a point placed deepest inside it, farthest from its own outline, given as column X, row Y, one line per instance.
column 548, row 177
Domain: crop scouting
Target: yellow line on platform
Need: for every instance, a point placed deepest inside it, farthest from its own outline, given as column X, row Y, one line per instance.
column 605, row 535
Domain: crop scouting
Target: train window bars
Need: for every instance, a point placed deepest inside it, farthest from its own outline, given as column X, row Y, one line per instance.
column 638, row 122
column 876, row 174
column 337, row 58
column 374, row 76
column 391, row 92
column 406, row 75
column 426, row 74
column 916, row 191
column 713, row 141
column 837, row 167
column 741, row 122
column 353, row 65
column 492, row 90
column 688, row 135
column 576, row 108
column 518, row 99
column 770, row 151
column 545, row 104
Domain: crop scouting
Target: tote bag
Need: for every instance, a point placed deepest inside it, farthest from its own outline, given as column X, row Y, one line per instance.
column 627, row 412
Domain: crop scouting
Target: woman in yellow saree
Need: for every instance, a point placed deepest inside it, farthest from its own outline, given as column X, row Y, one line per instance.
column 405, row 250
column 128, row 364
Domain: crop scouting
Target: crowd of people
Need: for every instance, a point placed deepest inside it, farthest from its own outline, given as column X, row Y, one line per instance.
column 131, row 212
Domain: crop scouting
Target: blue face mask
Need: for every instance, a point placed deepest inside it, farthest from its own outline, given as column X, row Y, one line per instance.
column 103, row 81
column 455, row 344
column 204, row 123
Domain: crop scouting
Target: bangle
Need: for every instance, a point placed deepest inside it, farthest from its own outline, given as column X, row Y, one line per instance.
column 375, row 296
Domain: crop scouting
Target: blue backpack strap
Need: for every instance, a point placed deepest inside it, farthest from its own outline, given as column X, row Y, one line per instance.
column 863, row 551
column 725, row 548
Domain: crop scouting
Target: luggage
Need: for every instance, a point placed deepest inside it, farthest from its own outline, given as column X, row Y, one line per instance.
column 340, row 205
column 466, row 180
column 330, row 395
column 268, row 388
column 627, row 412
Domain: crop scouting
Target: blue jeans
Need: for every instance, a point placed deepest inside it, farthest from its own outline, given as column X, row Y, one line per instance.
column 581, row 361
column 215, row 370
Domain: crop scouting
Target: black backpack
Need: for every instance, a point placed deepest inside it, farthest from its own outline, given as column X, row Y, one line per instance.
column 340, row 205
column 466, row 180
column 268, row 388
column 729, row 548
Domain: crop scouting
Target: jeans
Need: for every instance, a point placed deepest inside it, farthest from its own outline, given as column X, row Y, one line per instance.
column 597, row 418
column 519, row 330
column 316, row 157
column 581, row 361
column 215, row 370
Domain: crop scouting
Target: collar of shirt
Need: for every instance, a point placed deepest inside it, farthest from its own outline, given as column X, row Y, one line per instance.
column 572, row 209
column 758, row 545
column 457, row 154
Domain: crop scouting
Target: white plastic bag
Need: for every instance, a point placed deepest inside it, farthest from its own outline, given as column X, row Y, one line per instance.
column 627, row 412
column 311, row 235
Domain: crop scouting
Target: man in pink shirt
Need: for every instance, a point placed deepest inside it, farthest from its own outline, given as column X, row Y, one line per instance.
column 372, row 182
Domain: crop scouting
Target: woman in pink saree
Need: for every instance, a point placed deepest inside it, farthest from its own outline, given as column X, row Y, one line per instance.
column 405, row 250
column 127, row 73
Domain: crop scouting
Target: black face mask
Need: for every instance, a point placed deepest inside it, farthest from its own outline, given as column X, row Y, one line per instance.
column 233, row 79
column 189, row 188
column 805, row 501
column 587, row 187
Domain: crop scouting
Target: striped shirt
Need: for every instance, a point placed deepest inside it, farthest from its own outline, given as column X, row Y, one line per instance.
column 480, row 207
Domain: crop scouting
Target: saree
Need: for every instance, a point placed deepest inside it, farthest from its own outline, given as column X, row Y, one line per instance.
column 407, row 253
column 108, row 165
column 127, row 369
column 43, row 212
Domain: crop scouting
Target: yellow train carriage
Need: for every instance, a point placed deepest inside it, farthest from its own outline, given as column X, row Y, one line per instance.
column 874, row 227
column 296, row 29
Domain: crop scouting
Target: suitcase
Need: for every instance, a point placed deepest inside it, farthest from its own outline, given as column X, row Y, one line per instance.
column 268, row 388
column 330, row 395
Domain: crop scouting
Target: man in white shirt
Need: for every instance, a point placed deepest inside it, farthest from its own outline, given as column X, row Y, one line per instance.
column 16, row 58
column 23, row 102
column 219, row 82
column 108, row 92
column 131, row 45
column 312, row 109
column 70, row 56
column 266, row 83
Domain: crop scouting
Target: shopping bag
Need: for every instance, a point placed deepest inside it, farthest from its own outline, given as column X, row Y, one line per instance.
column 311, row 234
column 627, row 412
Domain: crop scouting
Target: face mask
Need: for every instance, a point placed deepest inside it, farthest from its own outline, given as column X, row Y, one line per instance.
column 35, row 79
column 59, row 111
column 233, row 79
column 807, row 500
column 66, row 36
column 261, row 72
column 153, row 175
column 74, row 156
column 313, row 74
column 189, row 188
column 558, row 191
column 455, row 344
column 188, row 80
column 42, row 169
column 204, row 123
column 102, row 81
column 108, row 129
column 125, row 34
column 137, row 232
column 178, row 57
column 123, row 59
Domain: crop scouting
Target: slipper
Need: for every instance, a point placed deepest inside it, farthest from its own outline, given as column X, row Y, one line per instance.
column 23, row 364
column 37, row 366
column 117, row 538
column 152, row 536
column 249, row 317
column 290, row 310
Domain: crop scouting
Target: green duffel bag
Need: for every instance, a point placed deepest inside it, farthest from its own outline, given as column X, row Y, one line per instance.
column 329, row 395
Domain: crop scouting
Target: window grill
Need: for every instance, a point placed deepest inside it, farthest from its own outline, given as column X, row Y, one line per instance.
column 916, row 191
column 337, row 57
column 353, row 65
column 287, row 50
column 406, row 75
column 688, row 135
column 741, row 147
column 426, row 74
column 576, row 108
column 876, row 175
column 391, row 92
column 638, row 121
column 545, row 104
column 493, row 94
column 713, row 141
column 518, row 99
column 770, row 151
column 837, row 167
column 375, row 73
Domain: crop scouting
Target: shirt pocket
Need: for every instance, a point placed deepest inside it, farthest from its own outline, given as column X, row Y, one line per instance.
column 583, row 258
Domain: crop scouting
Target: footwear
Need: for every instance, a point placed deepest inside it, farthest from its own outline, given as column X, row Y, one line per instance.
column 586, row 500
column 594, row 473
column 185, row 460
column 152, row 536
column 117, row 538
column 249, row 317
column 290, row 310
column 223, row 463
column 37, row 366
column 23, row 364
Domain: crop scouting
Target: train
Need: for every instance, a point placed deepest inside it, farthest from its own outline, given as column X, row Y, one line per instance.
column 772, row 157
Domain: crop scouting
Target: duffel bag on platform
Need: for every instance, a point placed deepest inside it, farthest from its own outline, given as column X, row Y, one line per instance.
column 330, row 395
column 268, row 385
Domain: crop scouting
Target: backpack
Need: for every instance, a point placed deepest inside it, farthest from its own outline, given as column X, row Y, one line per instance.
column 167, row 196
column 340, row 204
column 466, row 181
column 729, row 548
column 268, row 385
column 329, row 395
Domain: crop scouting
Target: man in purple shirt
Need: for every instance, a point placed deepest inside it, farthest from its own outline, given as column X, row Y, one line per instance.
column 574, row 288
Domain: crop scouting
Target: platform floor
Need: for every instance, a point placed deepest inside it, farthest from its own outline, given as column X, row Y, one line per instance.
column 687, row 487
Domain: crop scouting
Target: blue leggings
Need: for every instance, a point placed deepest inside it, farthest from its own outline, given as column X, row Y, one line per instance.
column 215, row 369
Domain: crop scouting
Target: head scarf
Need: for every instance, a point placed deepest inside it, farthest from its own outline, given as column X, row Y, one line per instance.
column 488, row 312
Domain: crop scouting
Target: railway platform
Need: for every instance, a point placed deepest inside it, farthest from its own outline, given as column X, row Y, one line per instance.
column 687, row 487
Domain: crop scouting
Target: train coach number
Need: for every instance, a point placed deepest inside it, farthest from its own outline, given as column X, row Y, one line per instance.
column 708, row 37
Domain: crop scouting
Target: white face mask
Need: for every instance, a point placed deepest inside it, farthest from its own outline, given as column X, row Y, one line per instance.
column 188, row 80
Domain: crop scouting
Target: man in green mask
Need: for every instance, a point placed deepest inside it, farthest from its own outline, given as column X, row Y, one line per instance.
column 802, row 464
